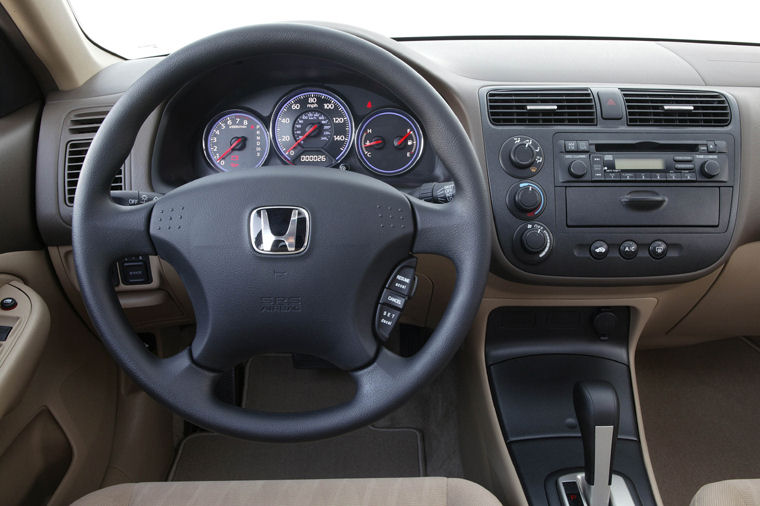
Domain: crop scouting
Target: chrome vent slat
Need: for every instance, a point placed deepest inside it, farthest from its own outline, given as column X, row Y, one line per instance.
column 75, row 154
column 550, row 107
column 676, row 108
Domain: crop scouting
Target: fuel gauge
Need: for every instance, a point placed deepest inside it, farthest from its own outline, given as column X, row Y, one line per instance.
column 389, row 142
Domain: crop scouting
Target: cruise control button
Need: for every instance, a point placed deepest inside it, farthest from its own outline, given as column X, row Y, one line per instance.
column 393, row 299
column 599, row 250
column 629, row 250
column 658, row 249
column 385, row 321
column 402, row 281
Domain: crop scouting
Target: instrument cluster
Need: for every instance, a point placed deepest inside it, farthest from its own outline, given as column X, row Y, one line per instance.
column 314, row 127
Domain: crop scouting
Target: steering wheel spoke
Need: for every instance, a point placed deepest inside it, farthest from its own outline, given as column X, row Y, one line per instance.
column 438, row 228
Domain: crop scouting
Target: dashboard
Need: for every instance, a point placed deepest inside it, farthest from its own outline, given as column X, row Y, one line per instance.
column 559, row 216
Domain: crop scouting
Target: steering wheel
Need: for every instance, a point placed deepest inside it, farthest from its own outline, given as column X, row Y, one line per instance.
column 360, row 229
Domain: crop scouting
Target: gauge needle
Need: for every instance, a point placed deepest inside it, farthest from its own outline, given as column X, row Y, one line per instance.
column 379, row 141
column 403, row 138
column 240, row 139
column 300, row 139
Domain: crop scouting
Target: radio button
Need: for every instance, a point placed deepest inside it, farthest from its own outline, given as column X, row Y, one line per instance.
column 702, row 148
column 612, row 175
column 674, row 176
column 583, row 146
column 596, row 160
column 710, row 168
column 628, row 176
column 629, row 250
column 599, row 250
column 683, row 158
column 571, row 146
column 597, row 175
column 712, row 147
column 684, row 166
column 578, row 169
column 658, row 249
column 659, row 176
column 689, row 176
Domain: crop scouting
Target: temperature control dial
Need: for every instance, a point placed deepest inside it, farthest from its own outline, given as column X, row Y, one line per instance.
column 532, row 242
column 526, row 200
column 521, row 156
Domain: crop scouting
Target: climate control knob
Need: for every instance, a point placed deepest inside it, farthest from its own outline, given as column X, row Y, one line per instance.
column 533, row 243
column 523, row 154
column 528, row 198
column 710, row 168
column 578, row 168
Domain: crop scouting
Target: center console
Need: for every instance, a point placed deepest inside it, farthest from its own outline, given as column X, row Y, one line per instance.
column 609, row 183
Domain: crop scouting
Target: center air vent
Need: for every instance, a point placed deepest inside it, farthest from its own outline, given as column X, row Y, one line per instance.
column 541, row 107
column 75, row 153
column 676, row 108
column 86, row 122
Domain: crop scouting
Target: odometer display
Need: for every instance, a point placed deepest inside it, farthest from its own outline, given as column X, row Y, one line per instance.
column 236, row 140
column 312, row 127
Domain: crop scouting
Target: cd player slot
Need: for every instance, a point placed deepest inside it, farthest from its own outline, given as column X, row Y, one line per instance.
column 645, row 146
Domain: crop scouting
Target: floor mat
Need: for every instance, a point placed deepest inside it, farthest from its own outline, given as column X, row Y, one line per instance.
column 418, row 439
column 365, row 453
column 701, row 409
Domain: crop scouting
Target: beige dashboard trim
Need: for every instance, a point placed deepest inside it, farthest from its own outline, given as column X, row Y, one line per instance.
column 53, row 34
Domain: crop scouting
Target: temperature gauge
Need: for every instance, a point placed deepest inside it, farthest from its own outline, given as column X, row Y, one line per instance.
column 389, row 142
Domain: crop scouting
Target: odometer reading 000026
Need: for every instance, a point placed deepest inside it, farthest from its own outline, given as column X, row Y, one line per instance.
column 236, row 140
column 312, row 127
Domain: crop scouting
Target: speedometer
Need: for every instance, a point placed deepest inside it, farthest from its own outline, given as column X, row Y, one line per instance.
column 312, row 127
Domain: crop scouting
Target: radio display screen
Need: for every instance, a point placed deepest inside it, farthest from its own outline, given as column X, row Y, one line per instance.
column 639, row 163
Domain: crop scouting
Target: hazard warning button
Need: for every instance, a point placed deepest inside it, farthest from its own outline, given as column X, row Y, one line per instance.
column 612, row 104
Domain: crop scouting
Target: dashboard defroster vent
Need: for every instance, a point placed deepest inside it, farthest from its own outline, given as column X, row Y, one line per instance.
column 676, row 108
column 86, row 122
column 541, row 107
column 75, row 153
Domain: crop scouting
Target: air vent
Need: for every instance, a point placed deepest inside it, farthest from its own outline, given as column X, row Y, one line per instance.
column 541, row 107
column 86, row 122
column 75, row 153
column 676, row 108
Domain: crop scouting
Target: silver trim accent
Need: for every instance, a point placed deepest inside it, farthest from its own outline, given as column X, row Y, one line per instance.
column 620, row 495
column 541, row 107
column 599, row 492
column 678, row 107
column 259, row 224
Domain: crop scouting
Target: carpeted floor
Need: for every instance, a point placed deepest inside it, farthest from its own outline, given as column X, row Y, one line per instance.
column 701, row 410
column 418, row 439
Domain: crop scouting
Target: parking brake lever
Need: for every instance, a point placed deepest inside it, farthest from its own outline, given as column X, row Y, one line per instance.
column 597, row 409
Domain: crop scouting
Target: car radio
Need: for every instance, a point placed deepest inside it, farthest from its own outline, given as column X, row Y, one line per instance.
column 611, row 160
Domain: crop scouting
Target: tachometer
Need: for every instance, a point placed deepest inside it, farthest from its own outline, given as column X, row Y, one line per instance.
column 236, row 140
column 389, row 142
column 312, row 127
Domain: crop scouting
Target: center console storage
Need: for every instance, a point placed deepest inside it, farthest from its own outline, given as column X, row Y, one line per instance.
column 535, row 359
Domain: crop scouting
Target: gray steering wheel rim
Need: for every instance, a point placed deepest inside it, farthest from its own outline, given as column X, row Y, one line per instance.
column 462, row 233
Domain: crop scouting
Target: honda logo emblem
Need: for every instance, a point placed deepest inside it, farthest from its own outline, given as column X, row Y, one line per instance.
column 280, row 230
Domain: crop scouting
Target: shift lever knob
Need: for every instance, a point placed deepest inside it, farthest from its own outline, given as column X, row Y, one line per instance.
column 598, row 413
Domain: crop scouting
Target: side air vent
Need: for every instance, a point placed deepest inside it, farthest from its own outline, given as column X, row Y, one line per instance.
column 75, row 153
column 541, row 107
column 676, row 108
column 86, row 122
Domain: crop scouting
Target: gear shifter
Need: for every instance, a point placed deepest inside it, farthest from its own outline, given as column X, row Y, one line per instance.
column 597, row 410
